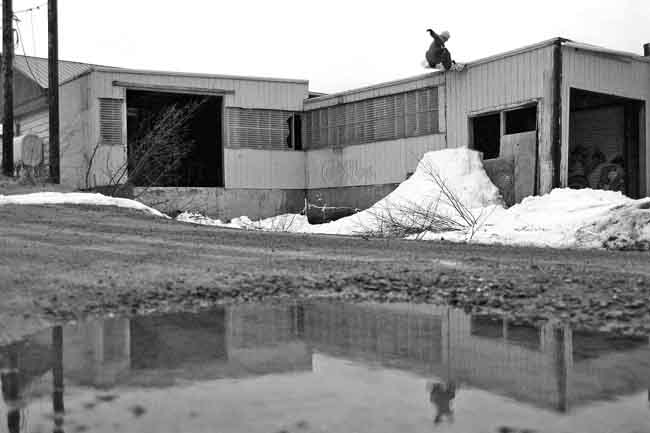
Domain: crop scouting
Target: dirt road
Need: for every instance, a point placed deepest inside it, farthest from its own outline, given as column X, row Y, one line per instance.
column 60, row 262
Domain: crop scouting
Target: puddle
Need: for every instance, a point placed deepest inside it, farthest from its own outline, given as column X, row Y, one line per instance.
column 324, row 367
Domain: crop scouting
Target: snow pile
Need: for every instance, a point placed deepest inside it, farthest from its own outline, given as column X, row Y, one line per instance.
column 624, row 227
column 200, row 219
column 564, row 218
column 281, row 223
column 551, row 220
column 77, row 198
column 462, row 172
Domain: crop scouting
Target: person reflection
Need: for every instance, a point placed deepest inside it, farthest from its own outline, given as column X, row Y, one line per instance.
column 441, row 396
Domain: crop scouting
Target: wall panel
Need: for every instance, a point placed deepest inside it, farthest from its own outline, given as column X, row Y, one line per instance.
column 368, row 164
column 264, row 169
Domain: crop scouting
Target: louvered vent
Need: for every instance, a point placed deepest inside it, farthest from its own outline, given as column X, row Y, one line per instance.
column 258, row 129
column 110, row 121
column 390, row 117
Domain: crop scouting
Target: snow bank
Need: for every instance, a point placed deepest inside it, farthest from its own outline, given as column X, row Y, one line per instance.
column 78, row 198
column 282, row 223
column 463, row 173
column 624, row 227
column 564, row 218
column 551, row 220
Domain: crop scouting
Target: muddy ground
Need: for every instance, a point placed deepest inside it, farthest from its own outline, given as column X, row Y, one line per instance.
column 62, row 262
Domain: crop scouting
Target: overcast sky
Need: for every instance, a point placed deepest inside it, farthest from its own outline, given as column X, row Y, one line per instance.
column 335, row 44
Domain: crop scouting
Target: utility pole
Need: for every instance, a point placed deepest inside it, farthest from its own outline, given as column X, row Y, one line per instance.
column 8, row 77
column 53, row 87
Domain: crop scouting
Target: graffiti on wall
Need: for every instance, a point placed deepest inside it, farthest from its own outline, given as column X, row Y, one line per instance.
column 336, row 171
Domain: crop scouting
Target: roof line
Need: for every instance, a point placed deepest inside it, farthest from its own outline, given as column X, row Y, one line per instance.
column 199, row 75
column 603, row 50
column 397, row 82
column 67, row 61
column 499, row 56
column 524, row 49
column 104, row 68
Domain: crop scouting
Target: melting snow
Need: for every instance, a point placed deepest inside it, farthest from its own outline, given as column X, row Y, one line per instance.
column 79, row 198
column 564, row 218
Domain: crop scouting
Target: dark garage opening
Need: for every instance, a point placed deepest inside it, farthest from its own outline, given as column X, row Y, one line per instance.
column 197, row 165
column 605, row 142
column 486, row 133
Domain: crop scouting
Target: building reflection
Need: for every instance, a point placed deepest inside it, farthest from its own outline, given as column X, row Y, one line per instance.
column 552, row 367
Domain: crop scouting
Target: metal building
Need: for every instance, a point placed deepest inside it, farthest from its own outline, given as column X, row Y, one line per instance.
column 553, row 114
column 530, row 110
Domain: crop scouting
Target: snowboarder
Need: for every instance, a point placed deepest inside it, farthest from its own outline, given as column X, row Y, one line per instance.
column 438, row 56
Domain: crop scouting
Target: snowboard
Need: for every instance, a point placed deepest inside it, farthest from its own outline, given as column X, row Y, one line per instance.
column 446, row 63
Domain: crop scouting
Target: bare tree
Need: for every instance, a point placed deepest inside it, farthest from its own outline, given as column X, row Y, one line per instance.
column 155, row 155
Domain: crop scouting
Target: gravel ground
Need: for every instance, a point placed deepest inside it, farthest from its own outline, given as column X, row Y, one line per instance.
column 62, row 262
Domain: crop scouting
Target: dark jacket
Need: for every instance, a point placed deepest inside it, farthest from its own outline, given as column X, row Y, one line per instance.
column 434, row 53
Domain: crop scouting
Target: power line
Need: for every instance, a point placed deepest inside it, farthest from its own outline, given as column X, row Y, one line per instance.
column 33, row 8
column 22, row 45
column 31, row 20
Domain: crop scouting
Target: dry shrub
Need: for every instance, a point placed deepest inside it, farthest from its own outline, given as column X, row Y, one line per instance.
column 408, row 218
column 154, row 158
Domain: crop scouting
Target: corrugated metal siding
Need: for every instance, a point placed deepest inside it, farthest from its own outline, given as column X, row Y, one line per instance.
column 264, row 169
column 244, row 168
column 406, row 114
column 369, row 164
column 382, row 89
column 270, row 95
column 605, row 74
column 493, row 86
column 501, row 84
column 36, row 123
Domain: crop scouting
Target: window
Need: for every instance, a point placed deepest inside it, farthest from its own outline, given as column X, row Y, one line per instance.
column 402, row 115
column 521, row 120
column 486, row 132
column 294, row 134
column 110, row 121
column 263, row 129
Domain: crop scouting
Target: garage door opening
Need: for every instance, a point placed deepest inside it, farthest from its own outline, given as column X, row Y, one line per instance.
column 174, row 140
column 605, row 149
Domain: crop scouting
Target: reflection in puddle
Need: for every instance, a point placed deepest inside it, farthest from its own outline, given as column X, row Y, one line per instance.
column 320, row 367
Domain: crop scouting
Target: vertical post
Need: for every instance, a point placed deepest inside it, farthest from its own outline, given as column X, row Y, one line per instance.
column 53, row 88
column 556, row 121
column 563, row 365
column 57, row 374
column 10, row 380
column 8, row 77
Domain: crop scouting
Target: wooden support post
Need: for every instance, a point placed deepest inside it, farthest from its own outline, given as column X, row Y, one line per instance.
column 8, row 77
column 53, row 88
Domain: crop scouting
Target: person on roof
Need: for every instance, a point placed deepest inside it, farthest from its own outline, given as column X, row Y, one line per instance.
column 438, row 56
column 437, row 50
